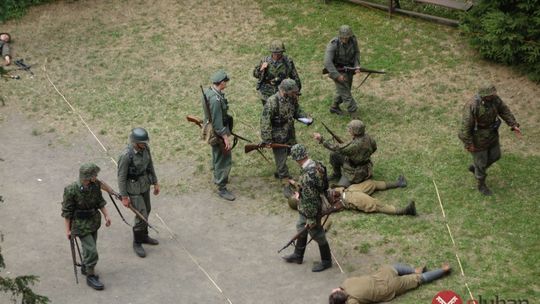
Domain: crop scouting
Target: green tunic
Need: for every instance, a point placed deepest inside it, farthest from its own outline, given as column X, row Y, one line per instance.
column 276, row 71
column 78, row 200
column 4, row 49
column 340, row 54
column 479, row 124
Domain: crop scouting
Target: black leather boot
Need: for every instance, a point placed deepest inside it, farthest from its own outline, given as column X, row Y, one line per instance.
column 410, row 209
column 148, row 240
column 298, row 254
column 326, row 259
column 483, row 188
column 138, row 238
column 400, row 183
column 93, row 281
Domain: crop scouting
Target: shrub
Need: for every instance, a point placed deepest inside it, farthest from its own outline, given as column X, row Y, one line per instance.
column 508, row 32
column 10, row 9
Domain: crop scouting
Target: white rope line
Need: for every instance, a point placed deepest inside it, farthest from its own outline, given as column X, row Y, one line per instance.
column 173, row 236
column 340, row 269
column 452, row 238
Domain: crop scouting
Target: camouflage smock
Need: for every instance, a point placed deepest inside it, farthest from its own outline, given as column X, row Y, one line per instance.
column 274, row 74
column 339, row 55
column 277, row 120
column 77, row 198
column 357, row 165
column 311, row 188
column 479, row 121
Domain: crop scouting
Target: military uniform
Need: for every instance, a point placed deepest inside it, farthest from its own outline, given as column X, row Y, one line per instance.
column 277, row 124
column 135, row 175
column 480, row 130
column 222, row 125
column 275, row 72
column 312, row 187
column 358, row 197
column 353, row 157
column 81, row 205
column 339, row 55
column 385, row 284
column 5, row 49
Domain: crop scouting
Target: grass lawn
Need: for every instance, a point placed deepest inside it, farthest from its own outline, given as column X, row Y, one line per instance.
column 140, row 63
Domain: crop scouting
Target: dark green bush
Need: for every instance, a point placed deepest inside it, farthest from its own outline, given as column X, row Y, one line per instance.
column 10, row 9
column 508, row 32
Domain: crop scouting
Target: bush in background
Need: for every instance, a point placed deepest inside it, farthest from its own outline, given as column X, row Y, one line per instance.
column 507, row 31
column 10, row 9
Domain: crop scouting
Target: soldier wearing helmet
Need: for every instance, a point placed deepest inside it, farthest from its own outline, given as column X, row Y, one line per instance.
column 273, row 69
column 135, row 176
column 342, row 51
column 277, row 123
column 214, row 100
column 480, row 131
column 82, row 200
column 312, row 184
column 351, row 161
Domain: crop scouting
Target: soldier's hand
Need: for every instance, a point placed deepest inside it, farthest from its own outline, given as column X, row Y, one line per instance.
column 227, row 142
column 470, row 148
column 156, row 189
column 125, row 201
column 68, row 234
column 107, row 221
column 341, row 78
column 517, row 131
column 357, row 71
column 264, row 65
column 8, row 60
column 317, row 136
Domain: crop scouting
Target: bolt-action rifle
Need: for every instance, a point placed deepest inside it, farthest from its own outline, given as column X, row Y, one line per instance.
column 346, row 69
column 199, row 122
column 337, row 138
column 23, row 66
column 250, row 147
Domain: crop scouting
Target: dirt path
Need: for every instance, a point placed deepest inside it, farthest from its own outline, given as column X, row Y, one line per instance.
column 235, row 247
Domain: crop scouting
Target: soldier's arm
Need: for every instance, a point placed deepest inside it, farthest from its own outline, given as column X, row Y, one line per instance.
column 329, row 60
column 309, row 197
column 6, row 53
column 68, row 210
column 266, row 122
column 294, row 75
column 467, row 126
column 505, row 113
column 105, row 213
column 217, row 117
column 356, row 53
column 257, row 71
column 123, row 164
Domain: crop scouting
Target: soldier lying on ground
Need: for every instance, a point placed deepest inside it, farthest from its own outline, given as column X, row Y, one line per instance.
column 384, row 285
column 358, row 197
column 5, row 38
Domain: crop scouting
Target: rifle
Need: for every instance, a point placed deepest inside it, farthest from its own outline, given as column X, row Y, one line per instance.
column 248, row 148
column 199, row 123
column 365, row 70
column 305, row 229
column 337, row 138
column 23, row 66
column 118, row 209
column 138, row 214
column 74, row 257
column 261, row 78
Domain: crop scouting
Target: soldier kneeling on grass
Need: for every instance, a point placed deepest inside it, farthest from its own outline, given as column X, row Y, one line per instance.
column 384, row 285
column 82, row 200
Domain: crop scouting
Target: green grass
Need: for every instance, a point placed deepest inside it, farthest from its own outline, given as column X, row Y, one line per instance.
column 145, row 67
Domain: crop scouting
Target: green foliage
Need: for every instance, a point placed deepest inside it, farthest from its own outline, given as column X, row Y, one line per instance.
column 16, row 8
column 508, row 32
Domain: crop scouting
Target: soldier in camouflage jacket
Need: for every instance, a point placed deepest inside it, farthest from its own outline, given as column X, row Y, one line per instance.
column 273, row 69
column 82, row 200
column 480, row 131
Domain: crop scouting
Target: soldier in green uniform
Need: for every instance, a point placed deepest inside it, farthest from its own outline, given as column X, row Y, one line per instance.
column 273, row 69
column 358, row 197
column 353, row 157
column 82, row 200
column 5, row 38
column 480, row 131
column 222, row 124
column 313, row 184
column 384, row 285
column 277, row 123
column 341, row 52
column 135, row 175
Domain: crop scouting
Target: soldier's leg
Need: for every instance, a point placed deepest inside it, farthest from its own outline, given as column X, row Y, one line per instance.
column 346, row 94
column 89, row 252
column 494, row 154
column 400, row 183
column 222, row 168
column 368, row 186
column 480, row 165
column 357, row 200
column 300, row 247
column 336, row 161
column 140, row 229
column 403, row 283
column 146, row 239
column 334, row 108
column 280, row 157
column 319, row 236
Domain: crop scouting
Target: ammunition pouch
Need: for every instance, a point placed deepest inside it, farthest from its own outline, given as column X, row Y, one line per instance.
column 84, row 214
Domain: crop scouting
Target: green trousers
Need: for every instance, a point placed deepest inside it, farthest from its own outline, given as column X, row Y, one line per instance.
column 483, row 159
column 89, row 252
column 141, row 202
column 222, row 163
column 317, row 233
column 280, row 157
column 343, row 93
